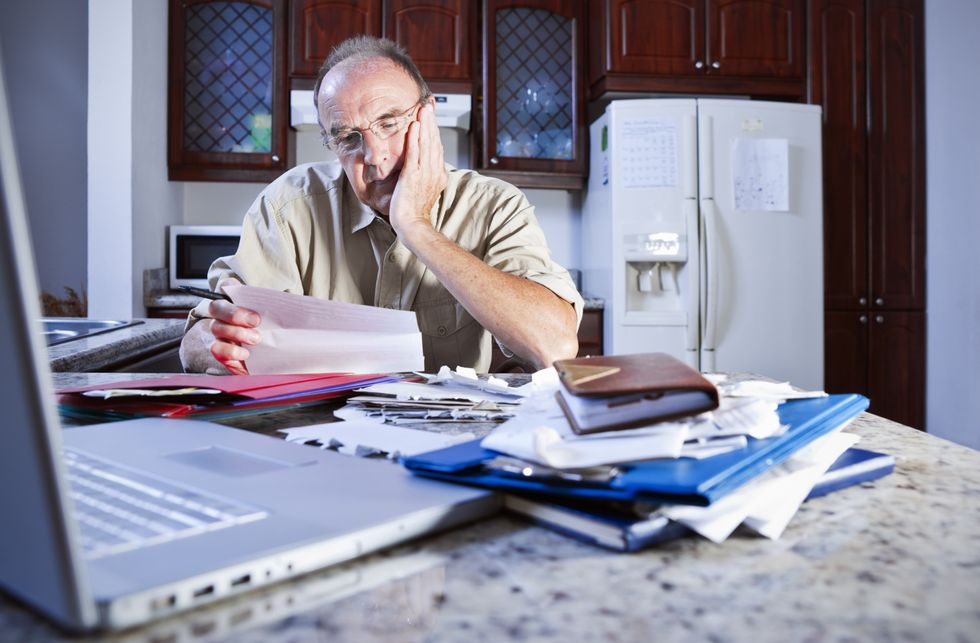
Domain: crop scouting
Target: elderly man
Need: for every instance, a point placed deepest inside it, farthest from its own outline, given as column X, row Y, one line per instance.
column 397, row 228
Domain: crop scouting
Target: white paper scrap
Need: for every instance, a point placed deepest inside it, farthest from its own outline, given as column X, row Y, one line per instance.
column 760, row 174
column 541, row 381
column 302, row 334
column 417, row 391
column 356, row 437
column 538, row 433
column 769, row 502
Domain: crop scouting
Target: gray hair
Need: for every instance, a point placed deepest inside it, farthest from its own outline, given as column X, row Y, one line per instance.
column 363, row 47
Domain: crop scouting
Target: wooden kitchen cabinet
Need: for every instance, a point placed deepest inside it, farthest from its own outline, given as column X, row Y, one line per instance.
column 228, row 109
column 866, row 71
column 317, row 26
column 880, row 355
column 534, row 132
column 440, row 36
column 753, row 47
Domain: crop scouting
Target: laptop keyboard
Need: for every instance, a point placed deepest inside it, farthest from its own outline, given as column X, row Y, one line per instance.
column 119, row 509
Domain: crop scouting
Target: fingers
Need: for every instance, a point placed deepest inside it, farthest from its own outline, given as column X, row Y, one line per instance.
column 231, row 314
column 233, row 328
column 227, row 346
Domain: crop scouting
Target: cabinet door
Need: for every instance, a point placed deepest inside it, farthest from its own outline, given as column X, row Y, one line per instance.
column 652, row 36
column 838, row 85
column 317, row 26
column 534, row 118
column 439, row 35
column 897, row 366
column 896, row 153
column 846, row 352
column 755, row 38
column 228, row 111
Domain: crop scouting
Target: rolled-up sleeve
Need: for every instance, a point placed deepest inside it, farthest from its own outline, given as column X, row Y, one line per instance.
column 516, row 245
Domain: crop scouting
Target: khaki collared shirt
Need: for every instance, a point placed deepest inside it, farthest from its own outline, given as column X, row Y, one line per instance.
column 308, row 233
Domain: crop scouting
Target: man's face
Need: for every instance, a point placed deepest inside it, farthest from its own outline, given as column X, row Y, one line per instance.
column 353, row 95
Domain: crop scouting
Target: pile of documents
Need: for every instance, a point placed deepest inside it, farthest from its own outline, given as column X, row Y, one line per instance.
column 380, row 419
column 207, row 396
column 691, row 455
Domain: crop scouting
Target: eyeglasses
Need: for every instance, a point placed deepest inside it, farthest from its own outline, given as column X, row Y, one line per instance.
column 351, row 140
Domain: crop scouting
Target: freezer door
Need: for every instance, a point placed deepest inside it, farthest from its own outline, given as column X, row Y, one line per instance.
column 762, row 267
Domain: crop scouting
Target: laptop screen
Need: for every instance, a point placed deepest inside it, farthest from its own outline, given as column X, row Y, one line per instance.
column 37, row 563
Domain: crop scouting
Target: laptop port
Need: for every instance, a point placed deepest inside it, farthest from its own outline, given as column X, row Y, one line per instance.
column 163, row 602
column 204, row 591
column 241, row 580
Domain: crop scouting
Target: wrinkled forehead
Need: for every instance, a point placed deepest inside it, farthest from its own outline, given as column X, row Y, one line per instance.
column 359, row 91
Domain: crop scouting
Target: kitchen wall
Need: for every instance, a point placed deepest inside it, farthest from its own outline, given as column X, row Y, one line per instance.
column 130, row 200
column 45, row 54
column 953, row 221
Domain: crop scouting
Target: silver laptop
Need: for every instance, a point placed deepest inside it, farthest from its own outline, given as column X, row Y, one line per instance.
column 113, row 525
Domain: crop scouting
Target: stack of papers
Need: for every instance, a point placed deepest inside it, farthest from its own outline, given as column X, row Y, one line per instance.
column 451, row 396
column 752, row 461
column 207, row 396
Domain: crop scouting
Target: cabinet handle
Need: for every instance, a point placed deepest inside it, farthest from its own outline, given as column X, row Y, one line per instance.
column 880, row 319
column 698, row 64
column 863, row 319
column 493, row 160
column 716, row 65
column 879, row 301
column 863, row 301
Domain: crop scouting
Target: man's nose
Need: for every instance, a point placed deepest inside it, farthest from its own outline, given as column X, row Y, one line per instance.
column 375, row 149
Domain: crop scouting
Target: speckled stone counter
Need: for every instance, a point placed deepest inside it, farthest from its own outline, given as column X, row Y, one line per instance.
column 895, row 559
column 106, row 350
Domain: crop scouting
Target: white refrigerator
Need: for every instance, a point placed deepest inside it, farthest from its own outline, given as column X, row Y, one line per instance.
column 703, row 233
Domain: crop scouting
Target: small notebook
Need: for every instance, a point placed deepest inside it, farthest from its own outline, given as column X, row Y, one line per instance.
column 614, row 392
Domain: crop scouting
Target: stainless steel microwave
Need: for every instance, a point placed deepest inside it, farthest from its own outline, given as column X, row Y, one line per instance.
column 193, row 248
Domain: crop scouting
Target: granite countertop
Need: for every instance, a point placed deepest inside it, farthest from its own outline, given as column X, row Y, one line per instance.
column 105, row 350
column 893, row 559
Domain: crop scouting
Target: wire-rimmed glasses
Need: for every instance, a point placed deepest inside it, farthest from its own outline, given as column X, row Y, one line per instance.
column 349, row 141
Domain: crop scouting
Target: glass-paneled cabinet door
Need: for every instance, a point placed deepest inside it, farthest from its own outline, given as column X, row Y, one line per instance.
column 534, row 119
column 228, row 106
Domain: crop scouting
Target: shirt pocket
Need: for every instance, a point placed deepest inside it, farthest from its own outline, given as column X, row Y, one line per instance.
column 450, row 335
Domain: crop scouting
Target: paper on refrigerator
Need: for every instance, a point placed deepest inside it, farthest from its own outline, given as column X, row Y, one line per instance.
column 302, row 334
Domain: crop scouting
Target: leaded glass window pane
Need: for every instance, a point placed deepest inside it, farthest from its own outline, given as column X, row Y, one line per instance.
column 534, row 84
column 228, row 78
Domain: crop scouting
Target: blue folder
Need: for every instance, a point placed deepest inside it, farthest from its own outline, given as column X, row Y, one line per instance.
column 617, row 526
column 677, row 481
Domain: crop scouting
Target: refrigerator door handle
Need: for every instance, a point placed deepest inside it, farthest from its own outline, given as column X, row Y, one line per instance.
column 694, row 279
column 710, row 267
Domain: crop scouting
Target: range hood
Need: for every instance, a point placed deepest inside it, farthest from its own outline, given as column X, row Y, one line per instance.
column 452, row 110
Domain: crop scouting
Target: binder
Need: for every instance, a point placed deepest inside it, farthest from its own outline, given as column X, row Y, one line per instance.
column 677, row 481
column 617, row 526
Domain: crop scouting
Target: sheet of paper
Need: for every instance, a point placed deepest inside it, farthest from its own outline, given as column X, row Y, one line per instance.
column 365, row 438
column 648, row 153
column 539, row 432
column 768, row 503
column 303, row 334
column 760, row 173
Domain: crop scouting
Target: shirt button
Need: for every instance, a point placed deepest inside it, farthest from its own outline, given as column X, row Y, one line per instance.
column 441, row 330
column 391, row 257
